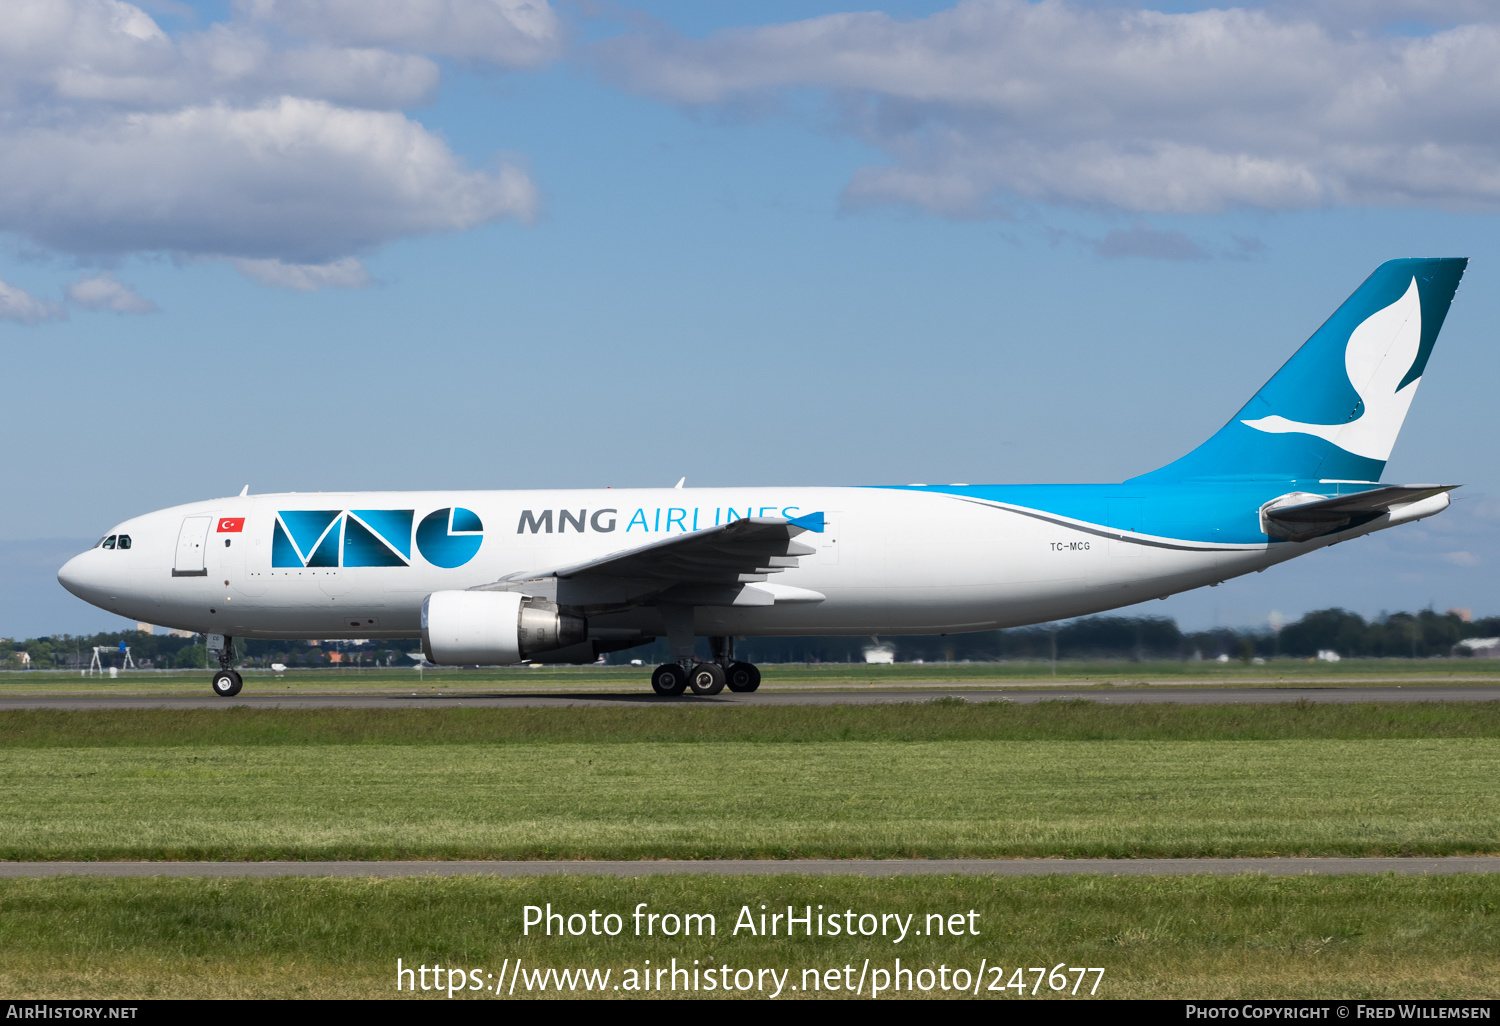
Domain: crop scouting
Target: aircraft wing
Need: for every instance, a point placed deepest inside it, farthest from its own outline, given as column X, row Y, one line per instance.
column 1300, row 520
column 722, row 565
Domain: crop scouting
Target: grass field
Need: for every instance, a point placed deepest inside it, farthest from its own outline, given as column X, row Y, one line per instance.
column 941, row 779
column 1200, row 937
column 941, row 719
column 1283, row 672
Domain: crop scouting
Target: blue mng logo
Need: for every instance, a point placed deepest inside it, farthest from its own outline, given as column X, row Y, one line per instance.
column 447, row 538
column 450, row 537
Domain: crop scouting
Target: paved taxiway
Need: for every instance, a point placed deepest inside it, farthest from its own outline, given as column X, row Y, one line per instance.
column 768, row 867
column 1127, row 695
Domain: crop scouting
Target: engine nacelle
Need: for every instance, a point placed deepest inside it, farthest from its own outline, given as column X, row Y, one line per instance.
column 461, row 628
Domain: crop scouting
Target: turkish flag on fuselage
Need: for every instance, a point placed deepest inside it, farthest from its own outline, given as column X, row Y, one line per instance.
column 231, row 525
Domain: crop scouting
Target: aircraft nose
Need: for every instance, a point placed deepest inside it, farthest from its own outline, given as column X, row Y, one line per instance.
column 75, row 577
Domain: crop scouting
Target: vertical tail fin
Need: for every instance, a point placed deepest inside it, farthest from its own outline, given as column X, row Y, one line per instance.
column 1335, row 408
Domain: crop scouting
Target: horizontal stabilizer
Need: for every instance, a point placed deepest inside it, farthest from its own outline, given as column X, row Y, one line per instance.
column 1300, row 516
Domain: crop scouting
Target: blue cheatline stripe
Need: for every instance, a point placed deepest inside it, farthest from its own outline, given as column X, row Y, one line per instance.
column 1222, row 512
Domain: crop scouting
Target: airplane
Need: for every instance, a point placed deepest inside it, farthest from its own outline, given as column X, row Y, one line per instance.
column 564, row 576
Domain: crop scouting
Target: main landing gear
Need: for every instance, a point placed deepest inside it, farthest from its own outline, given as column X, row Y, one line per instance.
column 227, row 682
column 710, row 678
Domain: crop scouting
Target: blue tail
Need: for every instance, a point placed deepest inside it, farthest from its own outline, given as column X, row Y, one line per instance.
column 1334, row 409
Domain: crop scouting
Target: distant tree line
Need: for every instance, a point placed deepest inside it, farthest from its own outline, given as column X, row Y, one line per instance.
column 168, row 651
column 1412, row 635
column 75, row 651
column 1417, row 635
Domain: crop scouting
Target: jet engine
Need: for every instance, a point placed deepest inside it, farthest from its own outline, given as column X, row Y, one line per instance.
column 461, row 628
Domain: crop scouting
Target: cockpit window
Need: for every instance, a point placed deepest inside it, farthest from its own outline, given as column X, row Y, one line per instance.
column 124, row 542
column 108, row 543
column 100, row 543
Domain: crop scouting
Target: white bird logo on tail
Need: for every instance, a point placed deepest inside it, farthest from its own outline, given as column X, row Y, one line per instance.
column 1380, row 352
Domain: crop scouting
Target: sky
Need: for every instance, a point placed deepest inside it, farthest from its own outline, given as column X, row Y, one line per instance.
column 369, row 244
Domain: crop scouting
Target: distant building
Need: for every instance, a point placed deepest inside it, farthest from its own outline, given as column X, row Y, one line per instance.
column 25, row 659
column 1484, row 648
column 172, row 632
column 880, row 654
column 1328, row 655
column 1466, row 615
column 145, row 628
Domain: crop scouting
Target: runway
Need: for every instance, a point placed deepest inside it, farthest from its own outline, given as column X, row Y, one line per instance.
column 768, row 867
column 1112, row 695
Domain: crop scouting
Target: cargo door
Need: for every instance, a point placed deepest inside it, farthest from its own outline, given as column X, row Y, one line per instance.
column 192, row 541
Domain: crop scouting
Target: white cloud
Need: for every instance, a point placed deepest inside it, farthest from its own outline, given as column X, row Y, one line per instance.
column 238, row 64
column 994, row 100
column 229, row 142
column 508, row 33
column 103, row 293
column 1367, row 15
column 81, row 50
column 1461, row 558
column 72, row 52
column 22, row 307
column 345, row 273
column 296, row 180
column 358, row 77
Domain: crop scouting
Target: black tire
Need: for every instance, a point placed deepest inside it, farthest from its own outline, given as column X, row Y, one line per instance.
column 227, row 683
column 743, row 677
column 669, row 680
column 707, row 679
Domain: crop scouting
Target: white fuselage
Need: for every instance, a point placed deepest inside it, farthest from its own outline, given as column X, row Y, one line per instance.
column 889, row 561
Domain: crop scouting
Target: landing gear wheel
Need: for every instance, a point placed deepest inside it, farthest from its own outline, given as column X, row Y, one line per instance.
column 743, row 676
column 669, row 679
column 706, row 679
column 227, row 683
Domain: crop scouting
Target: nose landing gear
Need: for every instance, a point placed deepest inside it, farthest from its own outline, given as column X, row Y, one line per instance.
column 227, row 682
